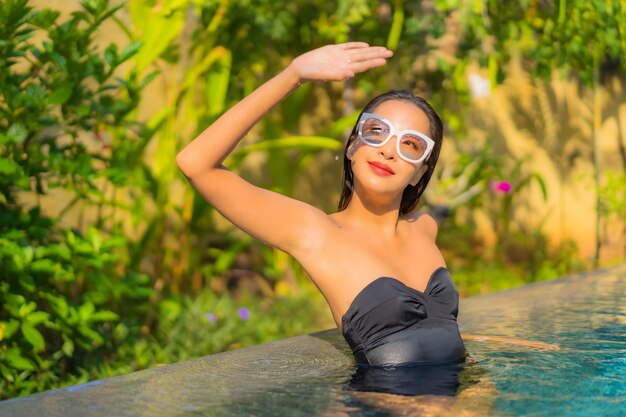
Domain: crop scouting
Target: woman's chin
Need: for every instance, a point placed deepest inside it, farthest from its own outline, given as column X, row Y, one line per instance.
column 379, row 189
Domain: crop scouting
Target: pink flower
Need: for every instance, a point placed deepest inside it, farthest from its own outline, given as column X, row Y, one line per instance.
column 211, row 317
column 244, row 313
column 503, row 187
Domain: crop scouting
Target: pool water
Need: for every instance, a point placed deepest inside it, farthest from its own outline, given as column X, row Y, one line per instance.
column 315, row 375
column 586, row 316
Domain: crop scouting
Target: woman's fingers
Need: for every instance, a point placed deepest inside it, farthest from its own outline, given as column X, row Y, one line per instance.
column 366, row 65
column 350, row 45
column 365, row 54
column 368, row 58
column 338, row 62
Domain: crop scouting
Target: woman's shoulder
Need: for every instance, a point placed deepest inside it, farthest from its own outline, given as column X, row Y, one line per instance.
column 423, row 222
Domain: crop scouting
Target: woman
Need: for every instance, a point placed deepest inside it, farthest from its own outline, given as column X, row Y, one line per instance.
column 375, row 260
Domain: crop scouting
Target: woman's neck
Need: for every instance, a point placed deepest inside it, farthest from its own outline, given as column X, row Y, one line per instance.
column 377, row 217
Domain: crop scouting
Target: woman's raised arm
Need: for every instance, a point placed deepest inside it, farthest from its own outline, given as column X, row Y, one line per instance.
column 280, row 221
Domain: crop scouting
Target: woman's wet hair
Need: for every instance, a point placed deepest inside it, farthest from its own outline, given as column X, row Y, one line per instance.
column 411, row 194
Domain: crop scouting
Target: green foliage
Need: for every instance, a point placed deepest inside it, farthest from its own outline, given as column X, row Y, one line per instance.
column 60, row 291
column 53, row 90
column 190, row 327
column 210, row 323
column 575, row 36
column 519, row 180
column 76, row 307
column 521, row 252
column 463, row 182
column 613, row 195
column 60, row 294
column 526, row 257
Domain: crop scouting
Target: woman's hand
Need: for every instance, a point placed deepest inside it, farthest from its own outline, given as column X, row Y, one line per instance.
column 338, row 62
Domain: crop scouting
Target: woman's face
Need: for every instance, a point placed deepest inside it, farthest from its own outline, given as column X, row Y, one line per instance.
column 381, row 169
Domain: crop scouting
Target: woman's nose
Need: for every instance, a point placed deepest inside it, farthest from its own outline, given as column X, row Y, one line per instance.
column 388, row 150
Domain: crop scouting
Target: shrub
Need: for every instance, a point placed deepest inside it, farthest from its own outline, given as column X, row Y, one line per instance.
column 58, row 288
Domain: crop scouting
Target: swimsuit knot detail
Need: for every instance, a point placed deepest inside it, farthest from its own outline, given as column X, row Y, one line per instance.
column 390, row 323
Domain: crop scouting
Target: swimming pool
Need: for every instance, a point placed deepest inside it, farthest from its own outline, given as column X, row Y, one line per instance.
column 586, row 316
column 315, row 374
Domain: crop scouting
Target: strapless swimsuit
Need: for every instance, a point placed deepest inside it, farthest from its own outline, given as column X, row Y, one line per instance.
column 390, row 324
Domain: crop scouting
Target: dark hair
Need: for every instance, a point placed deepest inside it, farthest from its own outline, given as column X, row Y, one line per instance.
column 411, row 194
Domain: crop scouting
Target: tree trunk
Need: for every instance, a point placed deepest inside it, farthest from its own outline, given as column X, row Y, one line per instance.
column 597, row 124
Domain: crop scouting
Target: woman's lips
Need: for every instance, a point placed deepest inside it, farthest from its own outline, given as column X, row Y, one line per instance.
column 380, row 168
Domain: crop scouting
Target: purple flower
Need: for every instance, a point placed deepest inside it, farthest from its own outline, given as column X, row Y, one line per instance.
column 211, row 317
column 244, row 313
column 503, row 187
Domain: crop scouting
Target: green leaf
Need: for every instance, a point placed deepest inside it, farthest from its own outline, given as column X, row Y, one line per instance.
column 91, row 334
column 68, row 346
column 149, row 78
column 33, row 336
column 542, row 185
column 45, row 18
column 17, row 132
column 71, row 238
column 17, row 361
column 54, row 251
column 27, row 308
column 62, row 93
column 44, row 266
column 217, row 81
column 86, row 310
column 37, row 317
column 9, row 168
column 396, row 27
column 10, row 328
column 337, row 129
column 104, row 316
column 130, row 50
column 13, row 303
column 59, row 305
column 28, row 283
column 110, row 55
column 59, row 60
column 158, row 32
column 94, row 238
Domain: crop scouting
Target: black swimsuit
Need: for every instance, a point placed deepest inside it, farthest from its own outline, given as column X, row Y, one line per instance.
column 390, row 323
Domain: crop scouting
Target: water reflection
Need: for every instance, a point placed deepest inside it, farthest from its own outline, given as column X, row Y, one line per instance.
column 440, row 379
column 451, row 389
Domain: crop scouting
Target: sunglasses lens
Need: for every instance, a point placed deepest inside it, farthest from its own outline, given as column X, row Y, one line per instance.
column 412, row 146
column 374, row 131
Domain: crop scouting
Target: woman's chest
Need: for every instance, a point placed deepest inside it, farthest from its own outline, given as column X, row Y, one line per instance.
column 343, row 266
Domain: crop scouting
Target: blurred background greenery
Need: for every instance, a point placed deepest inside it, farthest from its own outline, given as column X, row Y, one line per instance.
column 110, row 262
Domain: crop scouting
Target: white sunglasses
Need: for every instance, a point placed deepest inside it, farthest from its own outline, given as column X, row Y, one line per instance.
column 411, row 145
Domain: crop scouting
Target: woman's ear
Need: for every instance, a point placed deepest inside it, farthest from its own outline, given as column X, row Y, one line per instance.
column 420, row 173
column 351, row 149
